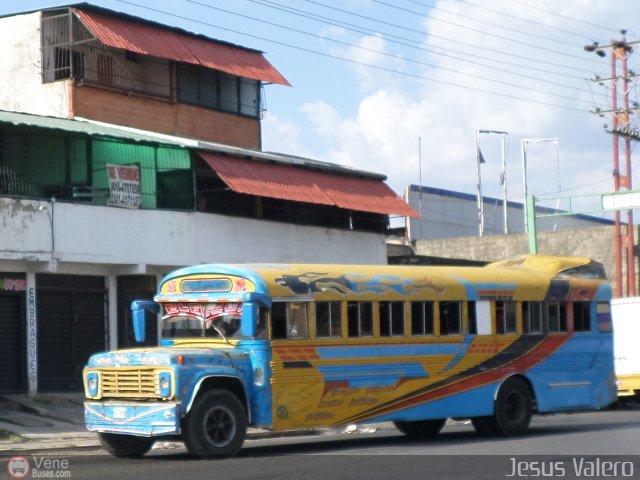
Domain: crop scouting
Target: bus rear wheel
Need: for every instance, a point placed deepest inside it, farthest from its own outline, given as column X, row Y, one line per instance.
column 483, row 425
column 125, row 446
column 216, row 425
column 513, row 409
column 421, row 428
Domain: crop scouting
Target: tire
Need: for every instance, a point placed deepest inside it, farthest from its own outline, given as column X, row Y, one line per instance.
column 125, row 446
column 484, row 426
column 421, row 428
column 513, row 408
column 216, row 425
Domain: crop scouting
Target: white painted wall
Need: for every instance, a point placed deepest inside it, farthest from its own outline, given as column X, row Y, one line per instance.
column 22, row 66
column 88, row 238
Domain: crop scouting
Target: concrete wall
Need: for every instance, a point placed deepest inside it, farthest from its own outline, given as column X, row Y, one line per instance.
column 21, row 87
column 72, row 235
column 595, row 243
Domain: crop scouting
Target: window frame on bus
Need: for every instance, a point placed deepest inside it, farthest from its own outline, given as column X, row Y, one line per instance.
column 334, row 307
column 360, row 318
column 290, row 333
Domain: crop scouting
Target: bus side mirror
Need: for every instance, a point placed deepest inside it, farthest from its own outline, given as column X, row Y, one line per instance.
column 138, row 308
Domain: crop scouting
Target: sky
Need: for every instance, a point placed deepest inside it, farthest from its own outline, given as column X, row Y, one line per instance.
column 401, row 87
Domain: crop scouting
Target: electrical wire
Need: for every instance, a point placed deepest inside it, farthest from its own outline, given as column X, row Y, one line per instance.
column 390, row 38
column 377, row 67
column 485, row 22
column 495, row 35
column 450, row 40
column 390, row 55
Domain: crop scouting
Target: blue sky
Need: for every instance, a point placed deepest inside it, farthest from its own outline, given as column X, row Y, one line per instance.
column 372, row 77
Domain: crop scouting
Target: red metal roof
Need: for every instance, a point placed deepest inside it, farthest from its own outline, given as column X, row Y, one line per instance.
column 172, row 44
column 310, row 186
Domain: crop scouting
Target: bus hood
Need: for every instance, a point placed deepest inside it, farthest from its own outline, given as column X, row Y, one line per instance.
column 162, row 356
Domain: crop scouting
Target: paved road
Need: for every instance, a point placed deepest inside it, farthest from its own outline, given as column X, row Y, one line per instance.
column 567, row 446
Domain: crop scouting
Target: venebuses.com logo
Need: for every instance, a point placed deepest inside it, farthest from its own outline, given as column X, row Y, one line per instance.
column 38, row 467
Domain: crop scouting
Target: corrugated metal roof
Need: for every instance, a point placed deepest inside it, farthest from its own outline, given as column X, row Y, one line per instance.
column 92, row 129
column 304, row 185
column 151, row 39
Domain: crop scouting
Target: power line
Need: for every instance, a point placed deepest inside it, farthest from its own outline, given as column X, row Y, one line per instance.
column 523, row 19
column 377, row 67
column 567, row 17
column 390, row 55
column 365, row 30
column 501, row 37
column 509, row 29
column 449, row 40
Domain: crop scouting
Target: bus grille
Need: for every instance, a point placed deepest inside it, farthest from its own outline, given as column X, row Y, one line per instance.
column 130, row 383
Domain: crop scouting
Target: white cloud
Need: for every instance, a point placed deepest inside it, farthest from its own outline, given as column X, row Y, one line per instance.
column 394, row 110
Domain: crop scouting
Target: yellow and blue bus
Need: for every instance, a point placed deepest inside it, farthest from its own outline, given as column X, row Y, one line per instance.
column 285, row 347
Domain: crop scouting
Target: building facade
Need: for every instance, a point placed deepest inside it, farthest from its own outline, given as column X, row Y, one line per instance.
column 130, row 148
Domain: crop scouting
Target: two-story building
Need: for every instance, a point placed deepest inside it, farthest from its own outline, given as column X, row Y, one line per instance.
column 129, row 148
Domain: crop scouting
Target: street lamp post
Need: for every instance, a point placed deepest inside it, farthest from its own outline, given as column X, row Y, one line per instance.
column 503, row 179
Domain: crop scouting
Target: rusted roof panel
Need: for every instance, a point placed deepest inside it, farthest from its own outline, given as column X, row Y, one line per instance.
column 309, row 186
column 177, row 45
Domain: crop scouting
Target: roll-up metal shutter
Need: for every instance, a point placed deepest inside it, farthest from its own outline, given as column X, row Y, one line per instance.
column 12, row 344
column 71, row 326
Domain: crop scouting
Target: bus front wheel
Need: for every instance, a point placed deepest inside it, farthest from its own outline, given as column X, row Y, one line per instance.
column 513, row 408
column 127, row 446
column 216, row 425
column 421, row 428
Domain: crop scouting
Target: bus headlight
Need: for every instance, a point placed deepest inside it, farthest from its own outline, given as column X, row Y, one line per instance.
column 93, row 384
column 164, row 384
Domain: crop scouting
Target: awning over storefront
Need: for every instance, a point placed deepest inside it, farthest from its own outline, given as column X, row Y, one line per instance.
column 178, row 45
column 304, row 185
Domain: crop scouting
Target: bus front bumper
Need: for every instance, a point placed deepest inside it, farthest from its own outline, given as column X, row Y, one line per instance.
column 133, row 418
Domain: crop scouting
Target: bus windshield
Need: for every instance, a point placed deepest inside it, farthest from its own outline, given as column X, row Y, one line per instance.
column 221, row 320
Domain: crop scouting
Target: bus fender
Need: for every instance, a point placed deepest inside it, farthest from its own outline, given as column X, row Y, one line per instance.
column 218, row 378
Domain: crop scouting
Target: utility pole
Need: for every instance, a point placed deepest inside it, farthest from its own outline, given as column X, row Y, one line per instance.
column 620, row 51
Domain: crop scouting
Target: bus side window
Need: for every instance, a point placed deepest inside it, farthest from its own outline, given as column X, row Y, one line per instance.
column 391, row 319
column 557, row 315
column 279, row 320
column 506, row 320
column 422, row 318
column 360, row 318
column 450, row 318
column 581, row 316
column 289, row 320
column 328, row 319
column 532, row 317
column 472, row 323
column 261, row 327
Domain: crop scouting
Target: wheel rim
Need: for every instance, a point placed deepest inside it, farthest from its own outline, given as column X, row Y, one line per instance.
column 515, row 407
column 220, row 426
